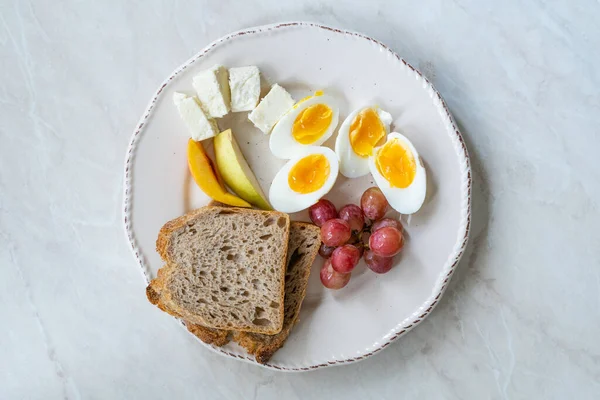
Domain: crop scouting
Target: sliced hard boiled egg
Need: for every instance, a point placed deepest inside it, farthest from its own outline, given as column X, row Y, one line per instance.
column 399, row 173
column 304, row 179
column 362, row 131
column 309, row 123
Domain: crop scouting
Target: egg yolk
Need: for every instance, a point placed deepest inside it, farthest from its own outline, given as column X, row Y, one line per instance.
column 396, row 163
column 309, row 174
column 366, row 131
column 312, row 123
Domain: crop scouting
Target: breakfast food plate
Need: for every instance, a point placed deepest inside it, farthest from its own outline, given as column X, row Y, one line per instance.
column 334, row 327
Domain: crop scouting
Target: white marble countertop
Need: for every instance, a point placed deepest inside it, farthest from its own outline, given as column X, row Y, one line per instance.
column 521, row 319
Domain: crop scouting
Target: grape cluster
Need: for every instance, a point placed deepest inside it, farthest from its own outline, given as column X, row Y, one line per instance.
column 356, row 232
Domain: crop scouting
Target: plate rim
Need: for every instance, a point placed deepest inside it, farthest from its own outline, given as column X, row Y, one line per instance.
column 451, row 128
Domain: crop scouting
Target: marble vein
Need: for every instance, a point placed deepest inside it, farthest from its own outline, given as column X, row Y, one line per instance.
column 50, row 350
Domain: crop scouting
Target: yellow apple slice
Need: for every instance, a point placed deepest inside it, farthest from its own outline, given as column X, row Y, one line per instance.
column 235, row 170
column 205, row 175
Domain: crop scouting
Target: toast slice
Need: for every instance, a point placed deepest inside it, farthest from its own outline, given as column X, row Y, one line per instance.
column 302, row 249
column 225, row 269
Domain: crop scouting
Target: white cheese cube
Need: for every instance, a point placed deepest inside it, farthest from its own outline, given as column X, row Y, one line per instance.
column 244, row 83
column 212, row 87
column 271, row 108
column 200, row 127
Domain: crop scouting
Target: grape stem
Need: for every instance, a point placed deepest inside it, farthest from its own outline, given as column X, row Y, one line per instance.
column 366, row 229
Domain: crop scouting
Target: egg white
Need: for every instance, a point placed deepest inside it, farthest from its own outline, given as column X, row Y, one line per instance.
column 407, row 200
column 351, row 164
column 282, row 143
column 284, row 199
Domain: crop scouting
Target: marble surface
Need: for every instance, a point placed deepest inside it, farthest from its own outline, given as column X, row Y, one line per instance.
column 521, row 319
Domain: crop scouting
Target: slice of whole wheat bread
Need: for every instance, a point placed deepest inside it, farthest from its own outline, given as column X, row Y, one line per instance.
column 302, row 249
column 225, row 269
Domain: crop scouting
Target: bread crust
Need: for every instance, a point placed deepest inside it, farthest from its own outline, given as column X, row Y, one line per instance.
column 217, row 337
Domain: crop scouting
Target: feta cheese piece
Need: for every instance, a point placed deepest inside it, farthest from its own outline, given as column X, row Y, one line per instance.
column 200, row 127
column 271, row 108
column 212, row 87
column 244, row 83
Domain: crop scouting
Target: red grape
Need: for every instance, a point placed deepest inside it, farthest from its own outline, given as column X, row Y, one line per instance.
column 335, row 232
column 352, row 214
column 326, row 251
column 386, row 242
column 332, row 279
column 373, row 203
column 361, row 249
column 378, row 264
column 345, row 258
column 321, row 212
column 382, row 223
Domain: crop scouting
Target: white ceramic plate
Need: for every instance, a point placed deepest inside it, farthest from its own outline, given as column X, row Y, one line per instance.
column 335, row 327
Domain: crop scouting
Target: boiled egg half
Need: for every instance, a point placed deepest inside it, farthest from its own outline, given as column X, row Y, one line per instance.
column 306, row 178
column 362, row 131
column 399, row 173
column 309, row 123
